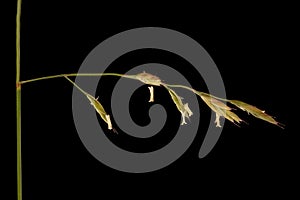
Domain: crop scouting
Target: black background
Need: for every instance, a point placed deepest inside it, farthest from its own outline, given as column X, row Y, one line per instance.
column 251, row 47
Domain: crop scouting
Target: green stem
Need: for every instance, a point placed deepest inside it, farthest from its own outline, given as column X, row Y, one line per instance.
column 18, row 27
column 18, row 102
column 80, row 74
column 19, row 152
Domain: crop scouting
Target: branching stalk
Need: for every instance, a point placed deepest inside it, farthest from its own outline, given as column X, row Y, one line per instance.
column 79, row 74
column 215, row 103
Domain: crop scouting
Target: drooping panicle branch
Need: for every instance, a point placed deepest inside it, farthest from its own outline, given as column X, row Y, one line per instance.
column 216, row 104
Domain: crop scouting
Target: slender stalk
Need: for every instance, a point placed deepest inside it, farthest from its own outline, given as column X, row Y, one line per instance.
column 179, row 86
column 79, row 74
column 79, row 88
column 41, row 78
column 18, row 102
column 194, row 91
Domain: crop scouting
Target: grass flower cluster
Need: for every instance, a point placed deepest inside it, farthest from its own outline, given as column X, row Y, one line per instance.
column 216, row 104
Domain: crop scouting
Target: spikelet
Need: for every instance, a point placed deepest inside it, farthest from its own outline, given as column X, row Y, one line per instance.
column 182, row 108
column 100, row 110
column 261, row 114
column 148, row 79
column 220, row 108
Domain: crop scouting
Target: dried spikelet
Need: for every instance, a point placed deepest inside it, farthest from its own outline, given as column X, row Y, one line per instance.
column 231, row 116
column 148, row 79
column 261, row 114
column 182, row 108
column 219, row 108
column 99, row 108
column 219, row 104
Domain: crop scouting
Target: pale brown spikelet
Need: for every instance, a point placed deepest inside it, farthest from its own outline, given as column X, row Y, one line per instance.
column 149, row 79
column 182, row 108
column 219, row 104
column 231, row 116
column 100, row 110
column 256, row 112
column 220, row 108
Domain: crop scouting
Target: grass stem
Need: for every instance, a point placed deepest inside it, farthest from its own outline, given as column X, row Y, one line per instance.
column 18, row 102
